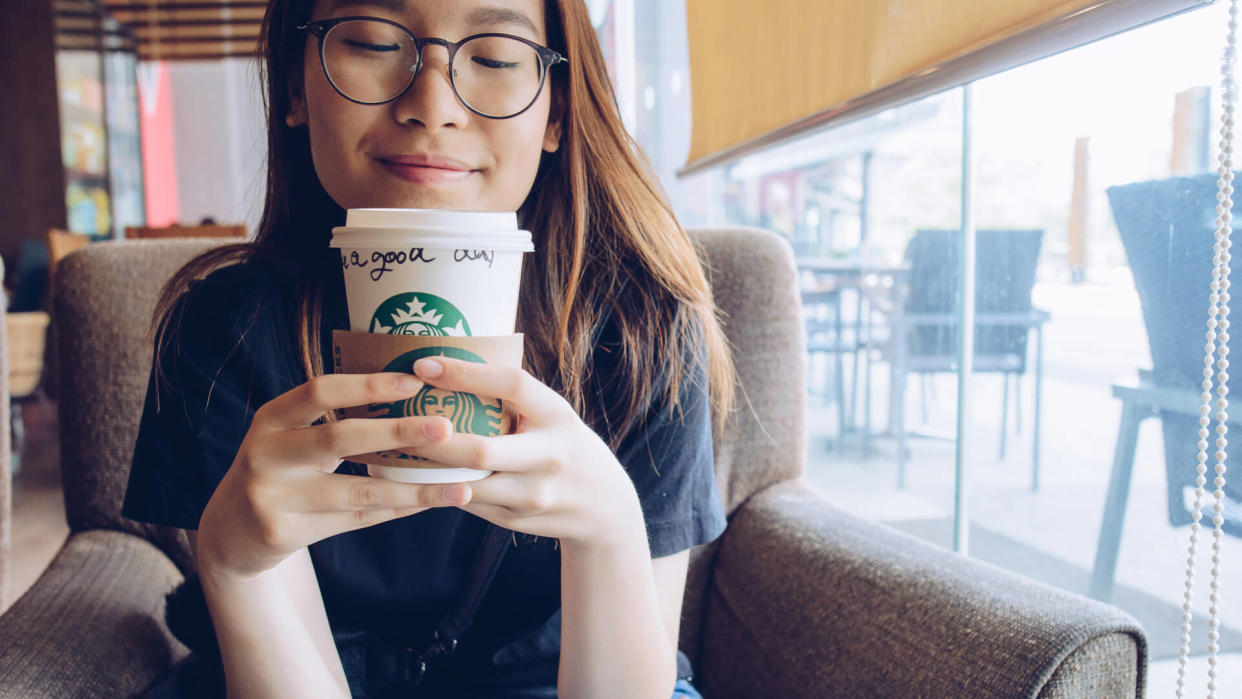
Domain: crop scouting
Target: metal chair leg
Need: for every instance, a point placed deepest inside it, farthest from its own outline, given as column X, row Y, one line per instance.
column 897, row 396
column 858, row 349
column 1017, row 404
column 839, row 377
column 923, row 397
column 867, row 405
column 1004, row 414
column 899, row 428
column 1039, row 391
column 1106, row 550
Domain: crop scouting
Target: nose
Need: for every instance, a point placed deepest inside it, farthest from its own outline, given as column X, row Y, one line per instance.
column 430, row 99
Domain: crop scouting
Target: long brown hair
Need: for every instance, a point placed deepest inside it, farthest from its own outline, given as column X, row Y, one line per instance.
column 606, row 241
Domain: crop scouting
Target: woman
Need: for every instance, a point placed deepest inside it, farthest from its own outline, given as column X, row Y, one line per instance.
column 321, row 582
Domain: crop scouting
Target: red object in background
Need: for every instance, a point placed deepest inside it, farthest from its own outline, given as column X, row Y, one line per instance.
column 159, row 156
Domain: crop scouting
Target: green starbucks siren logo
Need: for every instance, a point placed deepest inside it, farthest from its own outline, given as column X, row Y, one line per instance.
column 416, row 313
column 467, row 412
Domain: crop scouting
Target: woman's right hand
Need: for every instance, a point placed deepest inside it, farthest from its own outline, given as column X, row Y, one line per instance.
column 280, row 494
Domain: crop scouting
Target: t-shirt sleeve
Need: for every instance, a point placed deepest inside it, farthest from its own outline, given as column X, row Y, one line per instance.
column 193, row 421
column 671, row 461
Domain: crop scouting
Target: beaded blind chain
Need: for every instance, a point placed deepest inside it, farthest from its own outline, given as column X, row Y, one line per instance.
column 1218, row 344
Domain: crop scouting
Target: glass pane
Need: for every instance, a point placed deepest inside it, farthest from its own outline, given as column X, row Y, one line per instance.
column 1086, row 278
column 79, row 77
column 124, row 141
column 1108, row 150
column 878, row 300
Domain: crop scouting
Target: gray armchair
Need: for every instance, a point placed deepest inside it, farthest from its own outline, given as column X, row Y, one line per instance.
column 795, row 600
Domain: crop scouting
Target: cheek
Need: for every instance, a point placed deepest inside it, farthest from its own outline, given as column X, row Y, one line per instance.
column 333, row 126
column 520, row 149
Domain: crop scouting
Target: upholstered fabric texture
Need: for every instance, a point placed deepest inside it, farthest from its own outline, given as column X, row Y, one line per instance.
column 93, row 624
column 1104, row 666
column 803, row 595
column 103, row 301
column 754, row 283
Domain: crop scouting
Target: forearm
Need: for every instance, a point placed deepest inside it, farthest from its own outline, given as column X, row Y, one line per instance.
column 265, row 644
column 613, row 641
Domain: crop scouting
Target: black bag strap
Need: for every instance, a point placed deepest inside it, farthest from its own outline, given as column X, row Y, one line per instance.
column 496, row 541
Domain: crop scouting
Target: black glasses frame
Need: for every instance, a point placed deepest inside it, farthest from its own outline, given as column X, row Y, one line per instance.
column 547, row 59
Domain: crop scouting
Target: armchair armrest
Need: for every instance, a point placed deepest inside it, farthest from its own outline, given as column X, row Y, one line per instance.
column 93, row 623
column 806, row 600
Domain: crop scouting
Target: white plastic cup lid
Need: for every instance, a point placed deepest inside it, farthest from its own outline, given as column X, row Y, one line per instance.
column 432, row 228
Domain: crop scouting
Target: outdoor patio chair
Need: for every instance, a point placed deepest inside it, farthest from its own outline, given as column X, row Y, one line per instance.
column 796, row 599
column 925, row 320
column 828, row 334
column 1167, row 228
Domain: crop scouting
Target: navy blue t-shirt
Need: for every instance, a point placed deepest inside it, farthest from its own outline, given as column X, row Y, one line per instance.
column 233, row 351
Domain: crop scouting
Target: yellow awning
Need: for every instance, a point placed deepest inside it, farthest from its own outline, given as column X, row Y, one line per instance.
column 764, row 72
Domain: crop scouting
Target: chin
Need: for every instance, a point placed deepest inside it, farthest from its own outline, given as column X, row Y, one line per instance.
column 422, row 200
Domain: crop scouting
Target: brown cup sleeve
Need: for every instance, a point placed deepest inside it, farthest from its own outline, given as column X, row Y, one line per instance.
column 365, row 353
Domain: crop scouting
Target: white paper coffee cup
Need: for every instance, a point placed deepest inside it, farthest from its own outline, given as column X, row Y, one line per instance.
column 431, row 271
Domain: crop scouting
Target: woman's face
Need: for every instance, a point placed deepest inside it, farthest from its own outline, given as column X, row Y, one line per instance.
column 426, row 150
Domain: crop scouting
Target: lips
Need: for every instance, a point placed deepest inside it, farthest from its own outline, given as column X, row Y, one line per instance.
column 426, row 169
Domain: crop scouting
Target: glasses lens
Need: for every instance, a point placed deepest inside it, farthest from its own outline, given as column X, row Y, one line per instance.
column 496, row 75
column 369, row 61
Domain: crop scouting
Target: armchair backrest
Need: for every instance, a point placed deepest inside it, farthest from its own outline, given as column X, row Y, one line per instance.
column 203, row 231
column 102, row 303
column 755, row 285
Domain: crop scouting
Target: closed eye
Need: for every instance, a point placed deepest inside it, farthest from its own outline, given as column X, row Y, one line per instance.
column 373, row 47
column 492, row 63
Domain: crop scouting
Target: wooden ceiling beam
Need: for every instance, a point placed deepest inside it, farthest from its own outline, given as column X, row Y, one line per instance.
column 164, row 6
column 186, row 40
column 176, row 33
column 189, row 17
column 203, row 56
column 196, row 47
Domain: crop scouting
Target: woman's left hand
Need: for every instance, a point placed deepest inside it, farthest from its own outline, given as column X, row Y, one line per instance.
column 554, row 476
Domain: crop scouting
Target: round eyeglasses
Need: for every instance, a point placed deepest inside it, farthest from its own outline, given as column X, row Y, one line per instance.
column 369, row 60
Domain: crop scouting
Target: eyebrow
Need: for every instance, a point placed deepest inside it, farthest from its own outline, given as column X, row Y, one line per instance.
column 393, row 6
column 502, row 15
column 483, row 16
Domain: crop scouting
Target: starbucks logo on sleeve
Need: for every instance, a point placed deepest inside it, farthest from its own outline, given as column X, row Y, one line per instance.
column 467, row 411
column 417, row 313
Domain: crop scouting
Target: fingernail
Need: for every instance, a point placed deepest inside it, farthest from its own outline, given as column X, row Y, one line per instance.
column 436, row 428
column 457, row 494
column 409, row 382
column 429, row 368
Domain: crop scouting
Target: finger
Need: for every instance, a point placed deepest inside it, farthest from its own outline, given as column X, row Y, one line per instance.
column 514, row 452
column 326, row 444
column 345, row 493
column 513, row 492
column 525, row 394
column 308, row 402
column 321, row 525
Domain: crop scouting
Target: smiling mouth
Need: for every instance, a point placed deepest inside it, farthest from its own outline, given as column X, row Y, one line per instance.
column 421, row 173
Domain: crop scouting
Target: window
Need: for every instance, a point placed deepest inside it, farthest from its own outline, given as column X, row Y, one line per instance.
column 1069, row 304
